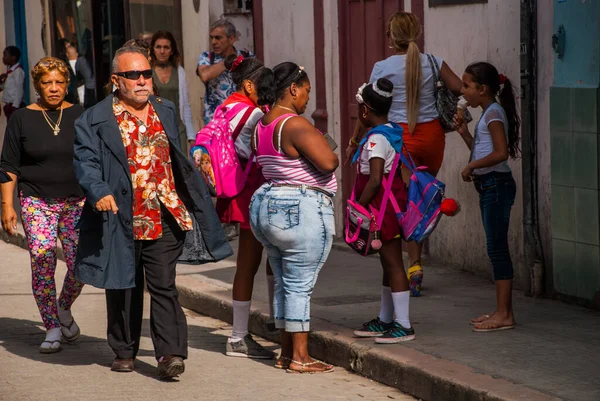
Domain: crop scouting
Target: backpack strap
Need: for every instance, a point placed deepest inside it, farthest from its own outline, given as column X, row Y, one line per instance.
column 242, row 123
column 387, row 192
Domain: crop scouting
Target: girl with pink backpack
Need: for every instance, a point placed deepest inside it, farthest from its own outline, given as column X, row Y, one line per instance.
column 235, row 177
column 377, row 158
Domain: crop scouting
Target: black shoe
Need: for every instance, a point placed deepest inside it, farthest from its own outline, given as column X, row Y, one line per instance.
column 170, row 367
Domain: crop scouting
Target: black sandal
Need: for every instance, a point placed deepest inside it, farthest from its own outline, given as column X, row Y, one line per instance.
column 73, row 337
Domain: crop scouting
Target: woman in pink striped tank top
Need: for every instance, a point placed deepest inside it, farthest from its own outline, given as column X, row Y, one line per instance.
column 292, row 214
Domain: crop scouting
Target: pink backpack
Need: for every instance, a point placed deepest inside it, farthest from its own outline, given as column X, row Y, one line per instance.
column 215, row 148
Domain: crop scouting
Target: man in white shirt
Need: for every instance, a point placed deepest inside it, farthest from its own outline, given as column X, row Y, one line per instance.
column 12, row 82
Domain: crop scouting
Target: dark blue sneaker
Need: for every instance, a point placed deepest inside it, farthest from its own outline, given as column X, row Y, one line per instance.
column 397, row 334
column 374, row 328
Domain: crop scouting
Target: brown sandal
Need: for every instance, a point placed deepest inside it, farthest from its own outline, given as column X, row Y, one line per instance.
column 328, row 367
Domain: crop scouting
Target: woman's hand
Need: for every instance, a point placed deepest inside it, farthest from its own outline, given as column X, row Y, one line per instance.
column 350, row 150
column 467, row 174
column 9, row 219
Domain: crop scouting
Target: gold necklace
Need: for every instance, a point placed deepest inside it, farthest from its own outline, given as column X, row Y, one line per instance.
column 286, row 108
column 54, row 126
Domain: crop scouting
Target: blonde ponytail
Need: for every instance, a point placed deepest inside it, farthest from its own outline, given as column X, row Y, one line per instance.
column 405, row 29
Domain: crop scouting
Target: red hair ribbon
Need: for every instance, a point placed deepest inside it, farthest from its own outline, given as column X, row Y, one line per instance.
column 502, row 79
column 237, row 62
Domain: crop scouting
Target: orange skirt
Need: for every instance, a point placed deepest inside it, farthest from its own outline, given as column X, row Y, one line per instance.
column 426, row 144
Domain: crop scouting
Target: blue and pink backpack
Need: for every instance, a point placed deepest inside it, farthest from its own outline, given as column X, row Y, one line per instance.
column 424, row 209
column 214, row 153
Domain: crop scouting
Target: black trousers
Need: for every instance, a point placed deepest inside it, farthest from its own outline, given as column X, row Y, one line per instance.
column 168, row 326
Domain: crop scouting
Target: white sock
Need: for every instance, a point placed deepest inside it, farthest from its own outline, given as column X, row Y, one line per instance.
column 271, row 290
column 401, row 301
column 241, row 314
column 386, row 313
column 53, row 335
column 65, row 316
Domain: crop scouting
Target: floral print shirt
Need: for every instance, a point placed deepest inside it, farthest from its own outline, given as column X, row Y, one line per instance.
column 148, row 154
column 220, row 88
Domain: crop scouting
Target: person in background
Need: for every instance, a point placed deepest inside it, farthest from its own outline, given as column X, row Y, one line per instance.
column 83, row 72
column 170, row 80
column 37, row 155
column 140, row 191
column 72, row 95
column 211, row 66
column 255, row 89
column 375, row 157
column 12, row 82
column 414, row 109
column 292, row 213
column 145, row 37
column 496, row 139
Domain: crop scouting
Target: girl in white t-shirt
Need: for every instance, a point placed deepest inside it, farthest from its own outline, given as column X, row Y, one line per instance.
column 375, row 157
column 496, row 139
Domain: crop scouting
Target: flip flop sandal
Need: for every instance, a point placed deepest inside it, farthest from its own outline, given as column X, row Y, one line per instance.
column 285, row 363
column 304, row 365
column 500, row 328
column 472, row 323
column 72, row 337
column 51, row 348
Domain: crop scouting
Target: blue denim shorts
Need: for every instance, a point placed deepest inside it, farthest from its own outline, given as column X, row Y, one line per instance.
column 296, row 226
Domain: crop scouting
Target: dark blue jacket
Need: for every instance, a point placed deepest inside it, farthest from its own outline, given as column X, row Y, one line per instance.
column 105, row 257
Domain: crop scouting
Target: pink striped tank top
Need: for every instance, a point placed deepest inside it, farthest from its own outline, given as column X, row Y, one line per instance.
column 278, row 168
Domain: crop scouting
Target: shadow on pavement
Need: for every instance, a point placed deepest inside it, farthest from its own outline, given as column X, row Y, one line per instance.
column 23, row 337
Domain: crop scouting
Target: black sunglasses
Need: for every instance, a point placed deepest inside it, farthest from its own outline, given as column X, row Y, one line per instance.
column 135, row 74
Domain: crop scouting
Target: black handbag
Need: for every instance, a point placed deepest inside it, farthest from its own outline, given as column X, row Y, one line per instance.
column 445, row 100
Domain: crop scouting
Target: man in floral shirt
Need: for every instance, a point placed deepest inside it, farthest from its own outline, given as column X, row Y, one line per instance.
column 211, row 68
column 140, row 191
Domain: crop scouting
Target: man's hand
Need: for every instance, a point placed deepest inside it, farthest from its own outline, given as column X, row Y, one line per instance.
column 107, row 204
column 9, row 219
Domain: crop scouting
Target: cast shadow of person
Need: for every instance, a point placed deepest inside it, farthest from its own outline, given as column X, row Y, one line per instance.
column 22, row 337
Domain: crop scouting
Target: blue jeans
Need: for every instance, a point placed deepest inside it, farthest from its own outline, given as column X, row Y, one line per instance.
column 496, row 196
column 296, row 226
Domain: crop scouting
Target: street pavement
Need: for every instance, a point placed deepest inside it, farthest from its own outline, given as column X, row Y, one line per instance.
column 553, row 353
column 81, row 371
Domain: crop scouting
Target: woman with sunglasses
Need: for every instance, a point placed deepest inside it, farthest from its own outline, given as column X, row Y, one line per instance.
column 38, row 157
column 414, row 109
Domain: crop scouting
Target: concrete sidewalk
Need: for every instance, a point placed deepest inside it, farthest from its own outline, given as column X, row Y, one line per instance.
column 553, row 353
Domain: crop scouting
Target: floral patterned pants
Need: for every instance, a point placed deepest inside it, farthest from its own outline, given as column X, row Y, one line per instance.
column 45, row 220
